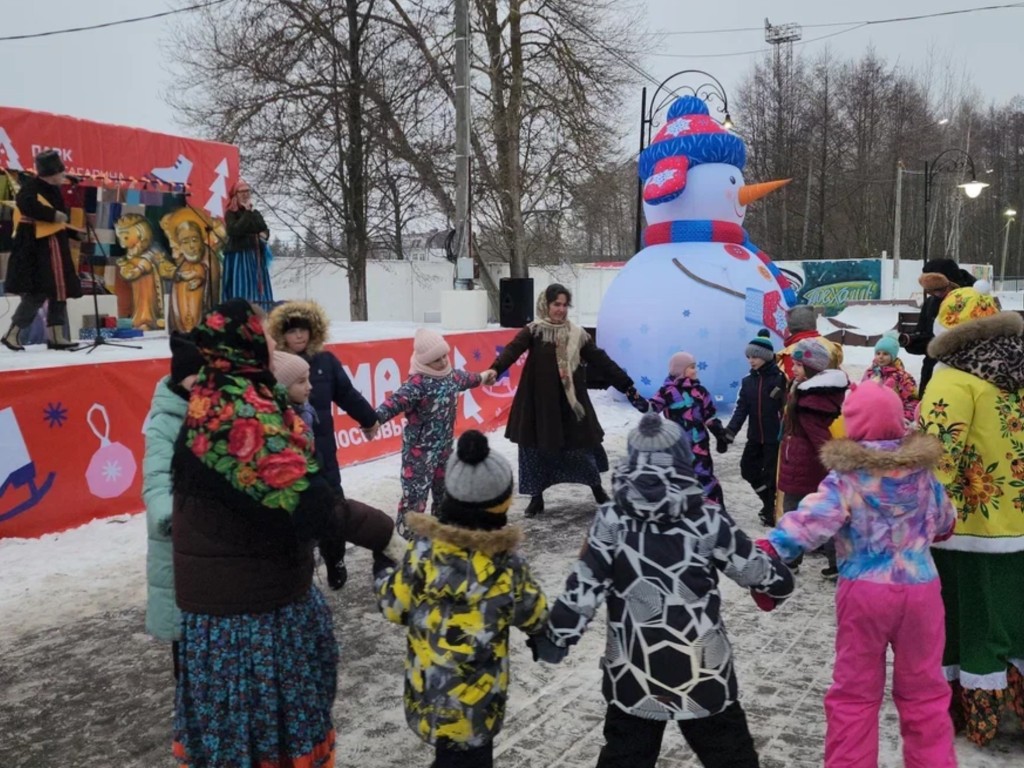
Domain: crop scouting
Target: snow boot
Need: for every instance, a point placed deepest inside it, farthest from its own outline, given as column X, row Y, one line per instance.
column 599, row 495
column 767, row 513
column 337, row 574
column 10, row 339
column 535, row 507
column 58, row 340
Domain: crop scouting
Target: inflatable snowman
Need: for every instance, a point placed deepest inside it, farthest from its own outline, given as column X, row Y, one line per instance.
column 699, row 285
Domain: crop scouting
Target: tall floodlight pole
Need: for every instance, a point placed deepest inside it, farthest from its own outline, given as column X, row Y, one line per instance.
column 463, row 260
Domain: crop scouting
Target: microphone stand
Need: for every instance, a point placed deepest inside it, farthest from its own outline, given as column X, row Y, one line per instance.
column 99, row 340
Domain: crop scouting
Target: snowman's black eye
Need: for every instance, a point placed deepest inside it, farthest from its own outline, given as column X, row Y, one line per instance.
column 732, row 179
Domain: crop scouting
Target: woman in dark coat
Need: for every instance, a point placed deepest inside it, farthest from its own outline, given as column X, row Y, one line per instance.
column 246, row 253
column 40, row 268
column 552, row 419
column 258, row 658
column 938, row 278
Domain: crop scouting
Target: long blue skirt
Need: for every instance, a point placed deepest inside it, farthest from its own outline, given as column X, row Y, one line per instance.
column 246, row 275
column 257, row 689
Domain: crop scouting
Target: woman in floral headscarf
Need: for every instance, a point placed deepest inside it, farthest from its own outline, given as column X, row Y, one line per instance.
column 552, row 418
column 247, row 256
column 257, row 656
column 974, row 405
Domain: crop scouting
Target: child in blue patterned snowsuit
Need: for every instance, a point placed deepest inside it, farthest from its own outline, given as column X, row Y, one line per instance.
column 429, row 399
column 684, row 400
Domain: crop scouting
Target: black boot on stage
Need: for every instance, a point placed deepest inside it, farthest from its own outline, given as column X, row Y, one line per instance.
column 57, row 339
column 10, row 339
column 536, row 506
column 599, row 495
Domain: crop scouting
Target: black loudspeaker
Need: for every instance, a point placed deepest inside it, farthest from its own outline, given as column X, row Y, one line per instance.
column 515, row 300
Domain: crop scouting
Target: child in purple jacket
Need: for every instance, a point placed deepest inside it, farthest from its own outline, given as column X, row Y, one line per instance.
column 885, row 507
column 684, row 400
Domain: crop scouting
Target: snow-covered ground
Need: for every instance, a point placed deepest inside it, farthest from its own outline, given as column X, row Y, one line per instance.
column 80, row 682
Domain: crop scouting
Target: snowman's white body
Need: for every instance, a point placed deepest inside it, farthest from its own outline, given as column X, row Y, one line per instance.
column 706, row 298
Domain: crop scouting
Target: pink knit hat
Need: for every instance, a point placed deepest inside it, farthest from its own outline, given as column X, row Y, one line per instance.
column 288, row 368
column 429, row 346
column 679, row 362
column 873, row 412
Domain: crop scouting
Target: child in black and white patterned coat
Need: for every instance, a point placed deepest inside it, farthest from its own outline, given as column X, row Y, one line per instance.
column 654, row 553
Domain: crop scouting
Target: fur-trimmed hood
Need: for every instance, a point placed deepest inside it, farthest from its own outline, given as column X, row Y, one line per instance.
column 829, row 379
column 973, row 331
column 916, row 451
column 991, row 348
column 488, row 542
column 309, row 311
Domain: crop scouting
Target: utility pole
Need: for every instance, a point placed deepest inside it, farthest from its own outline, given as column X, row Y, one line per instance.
column 463, row 115
column 1010, row 215
column 897, row 227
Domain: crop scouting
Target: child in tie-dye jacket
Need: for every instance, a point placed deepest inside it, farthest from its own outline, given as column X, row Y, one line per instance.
column 884, row 506
column 684, row 400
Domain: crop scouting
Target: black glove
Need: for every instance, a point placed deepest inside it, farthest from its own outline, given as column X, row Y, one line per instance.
column 381, row 564
column 545, row 650
column 777, row 393
column 637, row 400
column 722, row 435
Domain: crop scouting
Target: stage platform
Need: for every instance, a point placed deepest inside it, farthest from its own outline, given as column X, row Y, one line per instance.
column 71, row 423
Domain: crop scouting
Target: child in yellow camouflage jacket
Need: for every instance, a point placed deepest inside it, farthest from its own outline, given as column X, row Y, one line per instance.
column 459, row 589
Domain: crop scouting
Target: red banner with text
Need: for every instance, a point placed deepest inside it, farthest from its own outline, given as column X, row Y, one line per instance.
column 120, row 154
column 72, row 445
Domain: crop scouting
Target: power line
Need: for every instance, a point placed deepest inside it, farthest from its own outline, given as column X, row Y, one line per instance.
column 852, row 24
column 104, row 25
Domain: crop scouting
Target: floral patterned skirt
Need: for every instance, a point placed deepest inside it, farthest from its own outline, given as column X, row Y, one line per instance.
column 255, row 691
column 540, row 469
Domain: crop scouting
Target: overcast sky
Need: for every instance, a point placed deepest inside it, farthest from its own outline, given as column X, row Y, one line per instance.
column 120, row 75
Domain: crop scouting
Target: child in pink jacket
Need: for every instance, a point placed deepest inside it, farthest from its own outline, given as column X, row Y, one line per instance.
column 887, row 369
column 885, row 507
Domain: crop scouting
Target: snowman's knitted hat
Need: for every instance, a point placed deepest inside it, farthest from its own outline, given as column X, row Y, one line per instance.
column 689, row 138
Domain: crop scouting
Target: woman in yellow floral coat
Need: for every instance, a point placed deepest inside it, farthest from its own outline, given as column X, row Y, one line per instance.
column 460, row 590
column 974, row 405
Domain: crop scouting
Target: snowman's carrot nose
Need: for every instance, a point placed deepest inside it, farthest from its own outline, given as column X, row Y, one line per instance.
column 750, row 192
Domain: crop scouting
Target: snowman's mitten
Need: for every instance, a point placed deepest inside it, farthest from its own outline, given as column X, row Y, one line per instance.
column 637, row 400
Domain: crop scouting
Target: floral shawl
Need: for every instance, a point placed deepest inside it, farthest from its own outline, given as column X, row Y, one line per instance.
column 239, row 423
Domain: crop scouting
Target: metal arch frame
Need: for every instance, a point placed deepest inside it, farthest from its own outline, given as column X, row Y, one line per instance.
column 709, row 91
column 957, row 160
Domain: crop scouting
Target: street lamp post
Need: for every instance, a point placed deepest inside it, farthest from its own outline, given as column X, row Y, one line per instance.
column 1010, row 215
column 949, row 160
column 710, row 90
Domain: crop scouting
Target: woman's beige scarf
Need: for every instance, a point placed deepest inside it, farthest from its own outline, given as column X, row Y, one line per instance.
column 568, row 339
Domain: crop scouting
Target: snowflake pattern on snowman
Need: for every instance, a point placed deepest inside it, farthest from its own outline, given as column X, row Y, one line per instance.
column 699, row 283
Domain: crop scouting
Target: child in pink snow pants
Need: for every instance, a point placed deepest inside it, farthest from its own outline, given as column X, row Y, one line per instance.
column 885, row 507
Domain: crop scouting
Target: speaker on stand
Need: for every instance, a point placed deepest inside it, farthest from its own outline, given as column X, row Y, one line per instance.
column 515, row 301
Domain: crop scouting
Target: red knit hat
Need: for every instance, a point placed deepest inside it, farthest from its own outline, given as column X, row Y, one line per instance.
column 873, row 412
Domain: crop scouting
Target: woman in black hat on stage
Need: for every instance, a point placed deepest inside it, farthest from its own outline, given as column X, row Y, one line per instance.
column 41, row 269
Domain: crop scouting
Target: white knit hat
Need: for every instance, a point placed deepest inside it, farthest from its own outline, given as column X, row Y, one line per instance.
column 288, row 368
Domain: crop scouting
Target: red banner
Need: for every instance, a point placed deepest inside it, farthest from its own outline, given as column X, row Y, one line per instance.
column 71, row 439
column 124, row 155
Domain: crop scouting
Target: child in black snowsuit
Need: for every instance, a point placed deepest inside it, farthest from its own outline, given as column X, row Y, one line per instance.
column 762, row 397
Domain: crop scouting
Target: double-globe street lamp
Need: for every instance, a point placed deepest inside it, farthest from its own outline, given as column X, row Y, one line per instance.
column 710, row 91
column 955, row 160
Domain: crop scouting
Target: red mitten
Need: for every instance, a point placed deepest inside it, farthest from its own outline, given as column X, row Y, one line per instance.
column 764, row 602
column 766, row 546
column 945, row 536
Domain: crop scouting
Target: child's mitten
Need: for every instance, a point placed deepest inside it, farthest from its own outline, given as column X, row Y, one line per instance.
column 545, row 650
column 637, row 400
